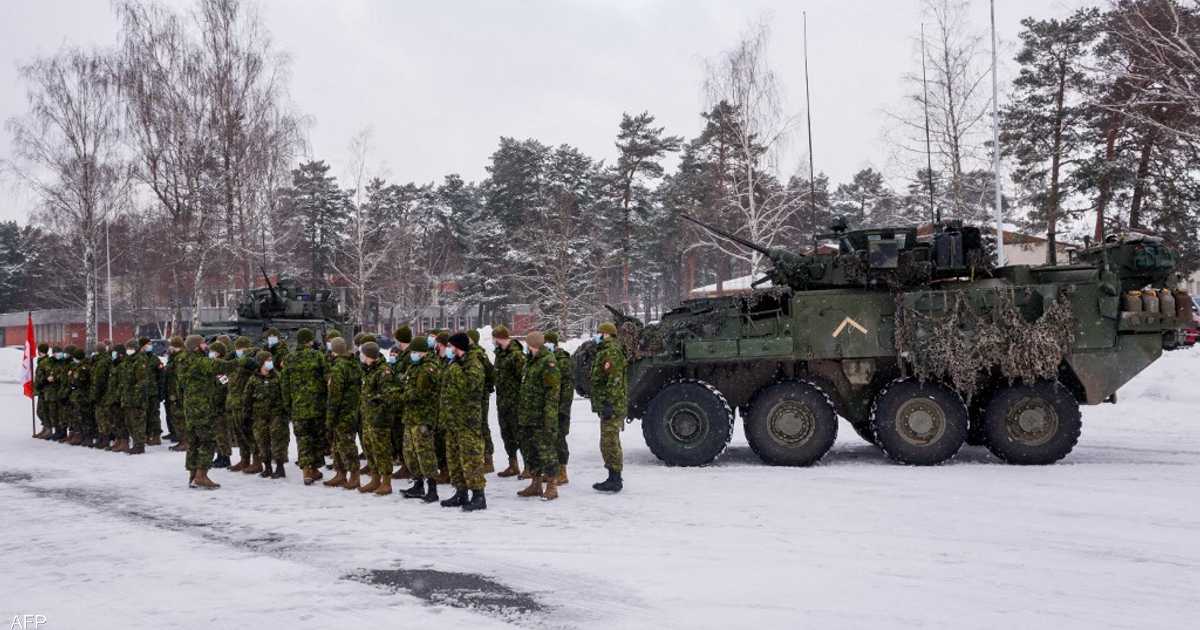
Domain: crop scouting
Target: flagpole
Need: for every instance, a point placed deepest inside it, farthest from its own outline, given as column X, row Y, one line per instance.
column 30, row 350
column 999, row 212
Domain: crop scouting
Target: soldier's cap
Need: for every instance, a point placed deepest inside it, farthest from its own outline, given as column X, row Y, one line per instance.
column 142, row 341
column 370, row 349
column 403, row 334
column 218, row 347
column 608, row 328
column 78, row 354
column 358, row 339
column 461, row 341
column 367, row 338
column 262, row 357
column 224, row 339
column 272, row 332
column 332, row 334
column 338, row 346
column 192, row 343
column 419, row 345
column 242, row 342
column 101, row 346
column 443, row 337
column 304, row 335
column 131, row 344
column 535, row 339
column 552, row 337
column 43, row 348
column 176, row 341
column 474, row 335
column 500, row 332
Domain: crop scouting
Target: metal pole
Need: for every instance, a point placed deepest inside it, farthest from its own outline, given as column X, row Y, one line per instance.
column 934, row 214
column 108, row 278
column 1000, row 257
column 812, row 178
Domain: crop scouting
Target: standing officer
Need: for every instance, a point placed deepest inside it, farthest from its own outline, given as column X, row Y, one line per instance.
column 154, row 391
column 608, row 400
column 341, row 414
column 479, row 355
column 400, row 364
column 304, row 383
column 175, row 422
column 377, row 404
column 510, row 366
column 419, row 404
column 202, row 401
column 539, row 419
column 264, row 407
column 40, row 371
column 566, row 396
column 101, row 369
column 135, row 392
column 458, row 413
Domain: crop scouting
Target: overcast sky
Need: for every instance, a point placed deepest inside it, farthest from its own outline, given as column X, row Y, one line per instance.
column 440, row 84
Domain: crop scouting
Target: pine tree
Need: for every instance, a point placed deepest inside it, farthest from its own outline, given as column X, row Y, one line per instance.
column 866, row 200
column 318, row 211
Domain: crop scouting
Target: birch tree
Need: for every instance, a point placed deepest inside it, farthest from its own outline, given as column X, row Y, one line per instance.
column 70, row 154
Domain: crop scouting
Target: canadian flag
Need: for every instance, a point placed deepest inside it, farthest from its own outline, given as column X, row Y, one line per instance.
column 30, row 353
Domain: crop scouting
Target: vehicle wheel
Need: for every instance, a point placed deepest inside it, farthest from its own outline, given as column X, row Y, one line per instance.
column 581, row 366
column 791, row 424
column 1032, row 424
column 688, row 423
column 919, row 423
column 866, row 432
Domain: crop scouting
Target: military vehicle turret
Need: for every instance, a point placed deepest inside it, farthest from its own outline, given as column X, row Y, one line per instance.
column 918, row 342
column 285, row 306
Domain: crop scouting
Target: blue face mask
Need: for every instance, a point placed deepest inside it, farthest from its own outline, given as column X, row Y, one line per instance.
column 448, row 353
column 240, row 353
column 549, row 346
column 270, row 365
column 114, row 355
column 272, row 340
column 148, row 349
column 391, row 359
column 431, row 341
column 415, row 357
column 597, row 337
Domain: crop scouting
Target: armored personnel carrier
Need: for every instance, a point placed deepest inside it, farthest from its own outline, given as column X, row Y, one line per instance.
column 918, row 342
column 285, row 306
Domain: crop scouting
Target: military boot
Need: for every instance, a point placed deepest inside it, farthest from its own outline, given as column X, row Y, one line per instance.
column 525, row 474
column 402, row 473
column 612, row 484
column 431, row 494
column 551, row 491
column 74, row 438
column 192, row 479
column 477, row 502
column 138, row 449
column 512, row 470
column 489, row 465
column 354, row 482
column 278, row 474
column 154, row 439
column 220, row 461
column 416, row 491
column 562, row 475
column 459, row 498
column 59, row 435
column 120, row 446
column 365, row 469
column 241, row 465
column 534, row 489
column 181, row 446
column 442, row 477
column 385, row 486
column 43, row 434
column 310, row 476
column 337, row 481
column 256, row 466
column 202, row 481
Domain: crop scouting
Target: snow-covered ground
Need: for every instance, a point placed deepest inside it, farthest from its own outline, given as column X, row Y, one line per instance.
column 1109, row 538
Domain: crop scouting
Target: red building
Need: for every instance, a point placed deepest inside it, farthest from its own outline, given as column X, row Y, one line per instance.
column 63, row 326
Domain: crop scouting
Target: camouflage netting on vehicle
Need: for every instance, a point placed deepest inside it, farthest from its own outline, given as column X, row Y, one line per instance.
column 960, row 344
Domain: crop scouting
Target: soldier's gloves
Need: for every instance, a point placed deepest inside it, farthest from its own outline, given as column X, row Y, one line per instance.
column 606, row 412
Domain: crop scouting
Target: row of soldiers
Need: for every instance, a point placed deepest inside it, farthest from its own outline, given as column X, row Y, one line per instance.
column 424, row 403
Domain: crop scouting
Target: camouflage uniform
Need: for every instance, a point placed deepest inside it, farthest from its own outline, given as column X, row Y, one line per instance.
column 237, row 371
column 539, row 413
column 80, row 380
column 608, row 400
column 304, row 396
column 458, row 414
column 174, row 401
column 102, row 366
column 510, row 367
column 263, row 405
column 134, row 392
column 55, row 394
column 154, row 391
column 479, row 356
column 341, row 410
column 41, row 370
column 566, row 396
column 420, row 400
column 203, row 397
column 111, row 401
column 399, row 375
column 222, row 430
column 377, row 404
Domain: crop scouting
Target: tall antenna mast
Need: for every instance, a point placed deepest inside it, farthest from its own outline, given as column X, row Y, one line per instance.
column 935, row 215
column 812, row 178
column 108, row 276
column 1000, row 258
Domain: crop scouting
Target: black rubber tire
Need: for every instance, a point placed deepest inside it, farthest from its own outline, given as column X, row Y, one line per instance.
column 814, row 433
column 1005, row 439
column 688, row 423
column 866, row 432
column 581, row 366
column 942, row 404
